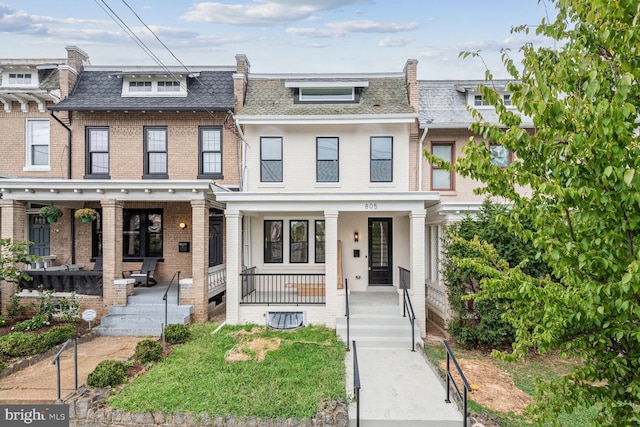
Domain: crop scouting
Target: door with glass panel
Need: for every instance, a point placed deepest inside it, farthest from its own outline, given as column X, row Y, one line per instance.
column 380, row 251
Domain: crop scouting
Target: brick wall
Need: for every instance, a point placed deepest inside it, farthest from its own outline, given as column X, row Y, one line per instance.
column 126, row 138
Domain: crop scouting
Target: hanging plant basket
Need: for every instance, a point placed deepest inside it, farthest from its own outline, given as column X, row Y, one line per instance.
column 51, row 213
column 86, row 214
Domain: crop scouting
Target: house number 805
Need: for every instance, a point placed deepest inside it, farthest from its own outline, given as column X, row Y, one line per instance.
column 371, row 206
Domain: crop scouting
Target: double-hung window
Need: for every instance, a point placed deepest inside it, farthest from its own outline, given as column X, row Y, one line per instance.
column 210, row 160
column 381, row 159
column 97, row 154
column 273, row 241
column 271, row 159
column 442, row 179
column 327, row 167
column 37, row 144
column 155, row 153
column 96, row 233
column 142, row 233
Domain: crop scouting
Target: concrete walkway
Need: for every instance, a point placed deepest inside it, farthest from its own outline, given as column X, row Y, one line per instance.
column 38, row 383
column 399, row 388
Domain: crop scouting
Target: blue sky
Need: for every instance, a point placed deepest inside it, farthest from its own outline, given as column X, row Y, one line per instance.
column 278, row 36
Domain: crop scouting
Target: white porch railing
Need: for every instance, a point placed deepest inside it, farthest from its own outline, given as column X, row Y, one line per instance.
column 217, row 280
column 437, row 299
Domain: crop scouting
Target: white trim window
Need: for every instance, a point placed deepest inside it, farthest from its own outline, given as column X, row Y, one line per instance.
column 136, row 87
column 20, row 78
column 37, row 145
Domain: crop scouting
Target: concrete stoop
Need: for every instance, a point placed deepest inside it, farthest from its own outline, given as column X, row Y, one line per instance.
column 144, row 315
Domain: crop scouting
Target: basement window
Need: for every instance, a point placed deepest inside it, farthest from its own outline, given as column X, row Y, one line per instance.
column 285, row 320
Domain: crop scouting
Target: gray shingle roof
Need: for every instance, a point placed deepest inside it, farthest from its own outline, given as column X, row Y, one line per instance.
column 101, row 90
column 442, row 105
column 269, row 97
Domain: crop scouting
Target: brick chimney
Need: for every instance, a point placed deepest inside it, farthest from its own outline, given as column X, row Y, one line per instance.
column 76, row 58
column 411, row 78
column 240, row 80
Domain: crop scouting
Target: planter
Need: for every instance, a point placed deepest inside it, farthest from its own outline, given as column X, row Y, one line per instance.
column 85, row 219
column 52, row 219
column 86, row 214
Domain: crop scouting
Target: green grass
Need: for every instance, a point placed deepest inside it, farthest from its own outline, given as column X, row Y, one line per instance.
column 196, row 378
column 524, row 374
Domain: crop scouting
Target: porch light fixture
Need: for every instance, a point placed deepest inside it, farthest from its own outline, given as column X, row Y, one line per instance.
column 183, row 225
column 356, row 236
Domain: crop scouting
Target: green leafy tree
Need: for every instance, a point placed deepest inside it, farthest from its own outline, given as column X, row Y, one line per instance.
column 12, row 256
column 480, row 323
column 575, row 179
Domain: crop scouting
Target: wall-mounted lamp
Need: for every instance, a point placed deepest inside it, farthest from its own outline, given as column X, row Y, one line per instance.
column 183, row 225
column 356, row 236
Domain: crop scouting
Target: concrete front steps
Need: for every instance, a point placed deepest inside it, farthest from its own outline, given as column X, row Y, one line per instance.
column 376, row 321
column 144, row 314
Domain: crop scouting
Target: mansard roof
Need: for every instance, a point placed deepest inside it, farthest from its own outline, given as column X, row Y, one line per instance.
column 443, row 103
column 99, row 88
column 273, row 95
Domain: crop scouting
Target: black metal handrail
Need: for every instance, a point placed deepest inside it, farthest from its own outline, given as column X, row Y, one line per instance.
column 450, row 380
column 282, row 288
column 56, row 361
column 356, row 383
column 166, row 306
column 347, row 315
column 405, row 284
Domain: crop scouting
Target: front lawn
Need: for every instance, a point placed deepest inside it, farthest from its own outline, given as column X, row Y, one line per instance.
column 243, row 371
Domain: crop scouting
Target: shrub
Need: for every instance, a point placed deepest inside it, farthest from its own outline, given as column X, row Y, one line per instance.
column 148, row 351
column 19, row 344
column 176, row 333
column 38, row 321
column 3, row 364
column 107, row 373
column 14, row 309
column 3, row 321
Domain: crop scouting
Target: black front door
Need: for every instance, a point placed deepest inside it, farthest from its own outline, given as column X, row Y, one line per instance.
column 380, row 251
column 39, row 235
column 215, row 241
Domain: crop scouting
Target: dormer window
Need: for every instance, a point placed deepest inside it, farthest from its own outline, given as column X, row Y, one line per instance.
column 153, row 86
column 326, row 94
column 139, row 86
column 20, row 78
column 326, row 91
column 479, row 101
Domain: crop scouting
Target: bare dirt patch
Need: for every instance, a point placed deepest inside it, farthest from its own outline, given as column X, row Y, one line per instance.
column 493, row 387
column 254, row 349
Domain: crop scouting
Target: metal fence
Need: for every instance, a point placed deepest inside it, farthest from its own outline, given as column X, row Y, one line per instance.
column 286, row 288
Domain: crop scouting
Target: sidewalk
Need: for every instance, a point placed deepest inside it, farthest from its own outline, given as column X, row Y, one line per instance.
column 38, row 383
column 399, row 388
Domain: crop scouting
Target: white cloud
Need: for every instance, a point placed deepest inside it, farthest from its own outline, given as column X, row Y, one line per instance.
column 262, row 12
column 12, row 21
column 395, row 42
column 72, row 21
column 339, row 29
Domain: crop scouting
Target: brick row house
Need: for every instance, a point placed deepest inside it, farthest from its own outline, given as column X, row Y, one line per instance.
column 288, row 186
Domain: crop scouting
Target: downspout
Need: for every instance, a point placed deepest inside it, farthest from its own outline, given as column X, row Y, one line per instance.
column 424, row 135
column 243, row 168
column 69, row 158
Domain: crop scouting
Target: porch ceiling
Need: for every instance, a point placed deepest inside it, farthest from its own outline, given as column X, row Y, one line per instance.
column 59, row 190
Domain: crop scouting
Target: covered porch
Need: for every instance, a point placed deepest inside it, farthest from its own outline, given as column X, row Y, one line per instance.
column 294, row 251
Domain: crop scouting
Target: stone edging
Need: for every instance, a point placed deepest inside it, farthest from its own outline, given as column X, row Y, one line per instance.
column 27, row 361
column 86, row 409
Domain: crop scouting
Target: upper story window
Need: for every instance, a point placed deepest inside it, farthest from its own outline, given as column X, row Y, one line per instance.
column 479, row 101
column 139, row 86
column 326, row 91
column 20, row 79
column 271, row 159
column 97, row 152
column 381, row 159
column 37, row 145
column 442, row 179
column 327, row 166
column 210, row 147
column 171, row 86
column 500, row 156
column 155, row 153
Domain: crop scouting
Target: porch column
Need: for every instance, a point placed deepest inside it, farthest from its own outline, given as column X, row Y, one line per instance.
column 198, row 293
column 234, row 260
column 332, row 303
column 417, row 251
column 112, row 253
column 13, row 214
